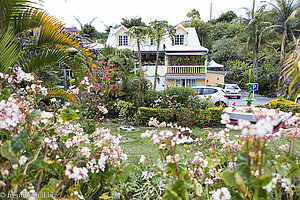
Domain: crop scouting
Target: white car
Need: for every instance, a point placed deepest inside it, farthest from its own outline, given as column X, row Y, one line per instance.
column 233, row 90
column 297, row 100
column 216, row 94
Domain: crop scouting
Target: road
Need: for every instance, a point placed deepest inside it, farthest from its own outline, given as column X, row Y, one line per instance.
column 260, row 99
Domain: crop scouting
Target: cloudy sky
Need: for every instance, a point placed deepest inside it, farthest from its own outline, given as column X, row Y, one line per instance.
column 111, row 12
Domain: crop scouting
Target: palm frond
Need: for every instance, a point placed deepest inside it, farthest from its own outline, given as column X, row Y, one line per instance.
column 9, row 52
column 58, row 93
column 33, row 60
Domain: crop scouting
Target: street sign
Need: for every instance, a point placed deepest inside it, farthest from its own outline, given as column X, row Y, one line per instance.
column 254, row 86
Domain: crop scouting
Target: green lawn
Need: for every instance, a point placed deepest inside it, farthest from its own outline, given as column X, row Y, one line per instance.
column 135, row 146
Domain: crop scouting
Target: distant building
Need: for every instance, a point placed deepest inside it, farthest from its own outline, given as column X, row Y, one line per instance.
column 182, row 62
column 73, row 30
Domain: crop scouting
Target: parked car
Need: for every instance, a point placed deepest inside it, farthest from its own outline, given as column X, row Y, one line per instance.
column 297, row 100
column 216, row 94
column 232, row 90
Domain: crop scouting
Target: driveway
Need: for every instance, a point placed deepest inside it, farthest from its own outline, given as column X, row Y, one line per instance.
column 260, row 99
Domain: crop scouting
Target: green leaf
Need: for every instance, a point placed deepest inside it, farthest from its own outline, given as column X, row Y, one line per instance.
column 6, row 150
column 198, row 189
column 179, row 188
column 68, row 115
column 282, row 169
column 19, row 142
column 242, row 165
column 89, row 126
column 262, row 181
column 227, row 177
column 35, row 114
column 170, row 195
column 4, row 94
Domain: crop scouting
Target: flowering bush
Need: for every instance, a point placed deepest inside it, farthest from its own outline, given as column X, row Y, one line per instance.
column 51, row 151
column 226, row 168
column 192, row 113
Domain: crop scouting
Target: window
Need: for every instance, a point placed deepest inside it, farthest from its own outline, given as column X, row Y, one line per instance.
column 191, row 82
column 123, row 40
column 185, row 82
column 179, row 40
column 207, row 91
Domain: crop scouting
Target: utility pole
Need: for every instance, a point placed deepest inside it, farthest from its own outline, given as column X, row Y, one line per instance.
column 210, row 11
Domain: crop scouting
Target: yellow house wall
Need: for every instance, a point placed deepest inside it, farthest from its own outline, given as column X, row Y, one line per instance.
column 214, row 79
column 170, row 82
column 180, row 31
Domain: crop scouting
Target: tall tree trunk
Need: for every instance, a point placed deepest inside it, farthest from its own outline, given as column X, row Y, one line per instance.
column 256, row 60
column 253, row 65
column 283, row 45
column 141, row 70
column 156, row 67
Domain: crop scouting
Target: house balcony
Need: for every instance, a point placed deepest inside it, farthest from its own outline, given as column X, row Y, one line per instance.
column 186, row 69
column 186, row 72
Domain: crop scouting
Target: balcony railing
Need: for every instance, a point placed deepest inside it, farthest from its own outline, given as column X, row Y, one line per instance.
column 186, row 69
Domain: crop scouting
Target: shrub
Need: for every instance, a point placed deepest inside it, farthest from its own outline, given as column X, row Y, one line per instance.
column 214, row 115
column 196, row 112
column 164, row 99
column 285, row 105
column 144, row 114
column 199, row 117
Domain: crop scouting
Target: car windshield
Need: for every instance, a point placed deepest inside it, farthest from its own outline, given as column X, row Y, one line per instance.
column 233, row 87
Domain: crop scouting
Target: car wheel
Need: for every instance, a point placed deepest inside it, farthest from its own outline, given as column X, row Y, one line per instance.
column 239, row 97
column 220, row 104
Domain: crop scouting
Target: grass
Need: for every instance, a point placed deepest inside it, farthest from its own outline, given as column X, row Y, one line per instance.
column 135, row 146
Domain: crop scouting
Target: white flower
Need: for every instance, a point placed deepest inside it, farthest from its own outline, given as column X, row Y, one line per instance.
column 53, row 100
column 23, row 160
column 147, row 175
column 44, row 91
column 142, row 159
column 221, row 194
column 15, row 166
column 225, row 119
column 5, row 173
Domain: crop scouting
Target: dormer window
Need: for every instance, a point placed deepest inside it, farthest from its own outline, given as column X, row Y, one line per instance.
column 179, row 39
column 123, row 40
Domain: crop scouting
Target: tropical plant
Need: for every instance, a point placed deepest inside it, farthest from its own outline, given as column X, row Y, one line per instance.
column 136, row 21
column 255, row 37
column 193, row 14
column 291, row 70
column 157, row 31
column 139, row 33
column 283, row 15
column 31, row 38
column 203, row 30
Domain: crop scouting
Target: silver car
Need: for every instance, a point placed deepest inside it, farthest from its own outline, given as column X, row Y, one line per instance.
column 233, row 90
column 216, row 94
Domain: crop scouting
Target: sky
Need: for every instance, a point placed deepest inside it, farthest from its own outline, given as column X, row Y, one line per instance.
column 111, row 12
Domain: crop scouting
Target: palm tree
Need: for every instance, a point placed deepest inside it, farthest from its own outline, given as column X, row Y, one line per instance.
column 253, row 34
column 157, row 31
column 291, row 70
column 31, row 38
column 138, row 33
column 283, row 13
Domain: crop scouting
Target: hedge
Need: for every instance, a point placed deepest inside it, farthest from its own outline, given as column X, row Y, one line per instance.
column 161, row 114
column 209, row 117
column 285, row 105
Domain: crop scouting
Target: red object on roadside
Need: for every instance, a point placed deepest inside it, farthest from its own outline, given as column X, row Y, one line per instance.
column 233, row 104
